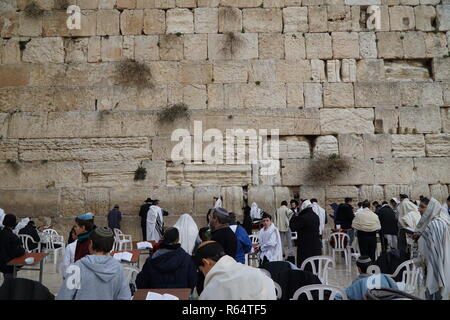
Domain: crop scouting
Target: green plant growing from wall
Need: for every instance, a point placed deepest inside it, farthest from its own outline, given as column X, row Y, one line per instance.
column 327, row 169
column 140, row 173
column 134, row 73
column 173, row 112
column 33, row 10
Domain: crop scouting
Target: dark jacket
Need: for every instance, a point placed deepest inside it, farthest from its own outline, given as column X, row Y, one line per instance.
column 32, row 232
column 114, row 218
column 143, row 213
column 168, row 268
column 344, row 216
column 388, row 221
column 10, row 248
column 247, row 223
column 227, row 239
column 24, row 289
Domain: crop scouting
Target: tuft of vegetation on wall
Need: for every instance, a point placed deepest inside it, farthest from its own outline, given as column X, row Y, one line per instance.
column 327, row 169
column 33, row 10
column 134, row 73
column 173, row 112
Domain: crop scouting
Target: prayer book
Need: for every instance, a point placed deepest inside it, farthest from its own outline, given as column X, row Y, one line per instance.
column 157, row 296
column 144, row 245
column 123, row 256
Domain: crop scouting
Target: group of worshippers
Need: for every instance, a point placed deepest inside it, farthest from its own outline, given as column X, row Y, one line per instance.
column 152, row 220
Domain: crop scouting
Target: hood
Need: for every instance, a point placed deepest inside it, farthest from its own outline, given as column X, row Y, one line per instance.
column 169, row 261
column 104, row 267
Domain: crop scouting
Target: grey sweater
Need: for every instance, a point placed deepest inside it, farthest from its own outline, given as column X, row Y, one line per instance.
column 101, row 278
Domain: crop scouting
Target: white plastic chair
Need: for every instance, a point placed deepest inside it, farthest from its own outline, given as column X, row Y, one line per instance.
column 278, row 290
column 24, row 238
column 131, row 274
column 52, row 241
column 254, row 238
column 122, row 241
column 340, row 246
column 409, row 276
column 321, row 270
column 321, row 288
column 325, row 243
column 294, row 235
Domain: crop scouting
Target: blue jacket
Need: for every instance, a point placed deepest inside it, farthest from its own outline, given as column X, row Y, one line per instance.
column 168, row 268
column 359, row 287
column 244, row 244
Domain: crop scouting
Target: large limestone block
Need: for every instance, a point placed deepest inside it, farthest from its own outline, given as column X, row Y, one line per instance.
column 108, row 22
column 126, row 4
column 420, row 189
column 386, row 120
column 313, row 94
column 311, row 191
column 293, row 71
column 368, row 70
column 318, row 70
column 438, row 145
column 9, row 150
column 318, row 46
column 195, row 47
column 345, row 45
column 9, row 24
column 236, row 46
column 25, row 124
column 295, row 19
column 206, row 20
column 408, row 145
column 338, row 194
column 443, row 17
column 30, row 26
column 203, row 198
column 111, row 48
column 233, row 200
column 262, row 20
column 401, row 18
column 44, row 50
column 317, row 18
column 333, row 121
column 377, row 94
column 414, row 45
column 367, row 45
column 445, row 115
column 281, row 194
column 394, row 171
column 377, row 146
column 30, row 202
column 435, row 44
column 179, row 21
column 390, row 45
column 71, row 202
column 154, row 21
column 195, row 73
column 265, row 95
column 271, row 46
column 171, row 47
column 431, row 94
column 371, row 193
column 420, row 120
column 230, row 19
column 439, row 192
column 99, row 149
column 132, row 22
column 146, row 48
column 351, row 146
column 294, row 172
column 106, row 174
column 338, row 95
column 432, row 170
column 264, row 197
column 424, row 15
column 294, row 148
column 441, row 68
column 339, row 17
column 394, row 191
column 294, row 46
column 230, row 72
column 325, row 146
column 241, row 3
column 4, row 122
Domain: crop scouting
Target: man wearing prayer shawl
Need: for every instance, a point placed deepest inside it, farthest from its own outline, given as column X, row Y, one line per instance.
column 217, row 202
column 270, row 246
column 433, row 234
column 307, row 225
column 255, row 212
column 226, row 279
column 188, row 232
column 281, row 222
column 155, row 222
column 2, row 215
column 367, row 224
column 408, row 217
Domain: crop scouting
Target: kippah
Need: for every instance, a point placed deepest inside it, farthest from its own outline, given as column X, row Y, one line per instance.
column 222, row 211
column 364, row 260
column 86, row 216
column 104, row 232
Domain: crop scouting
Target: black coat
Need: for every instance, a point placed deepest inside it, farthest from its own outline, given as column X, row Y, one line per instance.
column 247, row 223
column 173, row 269
column 32, row 232
column 143, row 214
column 309, row 244
column 24, row 289
column 388, row 221
column 344, row 216
column 227, row 239
column 10, row 248
column 288, row 279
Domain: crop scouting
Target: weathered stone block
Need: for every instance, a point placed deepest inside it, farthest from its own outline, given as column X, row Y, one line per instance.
column 9, row 150
column 377, row 94
column 108, row 22
column 313, row 95
column 338, row 194
column 295, row 19
column 233, row 200
column 30, row 26
column 390, row 45
column 195, row 73
column 44, row 50
column 386, row 120
column 441, row 68
column 206, row 20
column 317, row 19
column 420, row 120
column 239, row 46
column 312, row 191
column 401, row 18
column 111, row 48
column 230, row 72
column 435, row 45
column 265, row 95
column 333, row 121
column 206, row 175
column 445, row 115
column 34, row 203
column 294, row 148
column 230, row 20
column 368, row 70
column 195, row 47
column 371, row 193
column 271, row 46
column 295, row 95
column 439, row 192
column 146, row 48
column 394, row 171
column 293, row 71
column 132, row 22
column 325, row 146
column 179, row 21
column 171, row 47
column 443, row 17
column 367, row 45
column 262, row 20
column 294, row 46
column 338, row 95
column 263, row 196
column 424, row 15
column 408, row 145
column 154, row 21
column 414, row 45
column 318, row 46
column 438, row 145
column 393, row 191
column 432, row 170
column 345, row 45
column 318, row 70
column 351, row 145
column 203, row 198
column 339, row 17
column 377, row 146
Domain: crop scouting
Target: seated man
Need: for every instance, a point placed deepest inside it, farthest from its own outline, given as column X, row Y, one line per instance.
column 100, row 276
column 169, row 267
column 358, row 289
column 226, row 279
column 31, row 230
column 270, row 246
column 10, row 245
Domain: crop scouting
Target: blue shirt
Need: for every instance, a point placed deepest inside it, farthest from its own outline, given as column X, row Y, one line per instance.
column 358, row 289
column 244, row 244
column 114, row 218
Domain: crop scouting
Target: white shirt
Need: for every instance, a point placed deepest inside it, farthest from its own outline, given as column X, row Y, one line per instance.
column 2, row 215
column 69, row 256
column 270, row 244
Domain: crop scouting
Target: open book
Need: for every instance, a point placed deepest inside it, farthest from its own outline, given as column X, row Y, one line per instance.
column 123, row 256
column 157, row 296
column 144, row 245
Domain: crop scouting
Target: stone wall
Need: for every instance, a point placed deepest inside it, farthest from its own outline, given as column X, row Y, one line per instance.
column 73, row 130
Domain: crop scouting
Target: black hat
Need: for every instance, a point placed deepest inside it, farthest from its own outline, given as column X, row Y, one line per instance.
column 403, row 196
column 148, row 200
column 10, row 220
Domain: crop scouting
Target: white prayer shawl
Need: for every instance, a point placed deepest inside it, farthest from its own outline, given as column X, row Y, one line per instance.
column 367, row 221
column 188, row 232
column 69, row 257
column 152, row 214
column 255, row 212
column 306, row 204
column 231, row 280
column 218, row 203
column 434, row 210
column 408, row 214
column 22, row 224
column 270, row 244
column 2, row 215
column 322, row 215
column 282, row 217
column 434, row 247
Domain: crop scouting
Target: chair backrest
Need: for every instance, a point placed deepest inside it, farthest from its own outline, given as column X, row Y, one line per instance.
column 294, row 235
column 321, row 288
column 50, row 231
column 409, row 276
column 321, row 269
column 117, row 232
column 278, row 290
column 254, row 238
column 24, row 238
column 339, row 239
column 130, row 274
